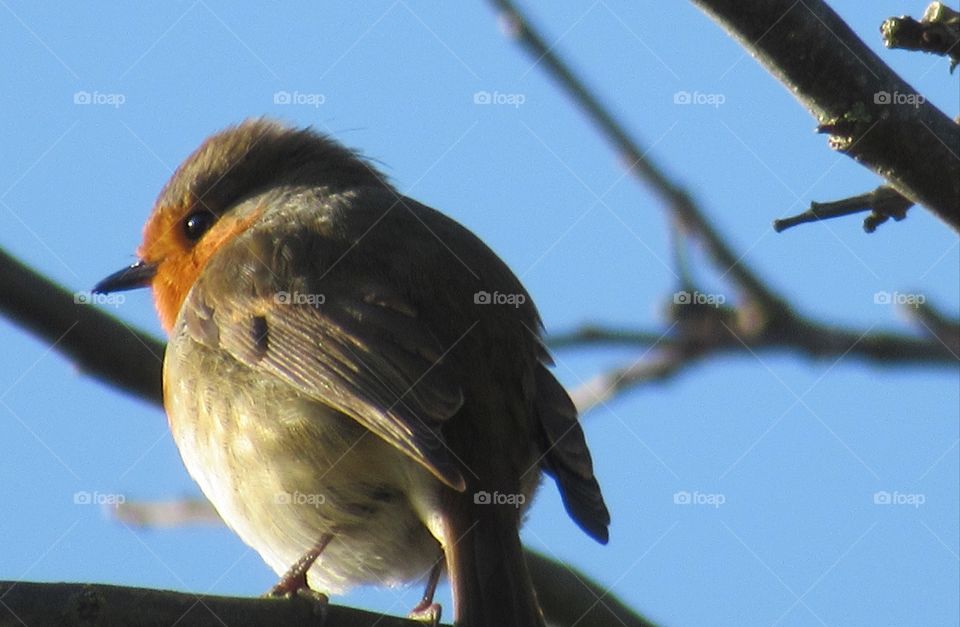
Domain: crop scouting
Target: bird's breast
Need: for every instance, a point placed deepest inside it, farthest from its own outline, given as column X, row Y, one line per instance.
column 283, row 469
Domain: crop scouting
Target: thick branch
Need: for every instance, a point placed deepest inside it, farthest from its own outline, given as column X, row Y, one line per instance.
column 590, row 606
column 69, row 604
column 873, row 115
column 100, row 345
column 567, row 595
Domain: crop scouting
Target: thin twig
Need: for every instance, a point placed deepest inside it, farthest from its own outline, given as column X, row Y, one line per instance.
column 937, row 32
column 884, row 203
column 728, row 336
column 641, row 164
column 806, row 337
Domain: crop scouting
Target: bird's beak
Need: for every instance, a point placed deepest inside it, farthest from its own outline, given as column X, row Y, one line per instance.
column 138, row 275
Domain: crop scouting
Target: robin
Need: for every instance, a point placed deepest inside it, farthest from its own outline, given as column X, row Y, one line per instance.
column 357, row 383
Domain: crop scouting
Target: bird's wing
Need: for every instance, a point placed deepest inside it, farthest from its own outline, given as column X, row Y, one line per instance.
column 567, row 458
column 355, row 345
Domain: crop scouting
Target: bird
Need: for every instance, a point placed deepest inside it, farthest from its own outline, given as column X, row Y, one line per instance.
column 358, row 384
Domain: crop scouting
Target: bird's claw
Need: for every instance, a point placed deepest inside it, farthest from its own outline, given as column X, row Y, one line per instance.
column 426, row 612
column 289, row 586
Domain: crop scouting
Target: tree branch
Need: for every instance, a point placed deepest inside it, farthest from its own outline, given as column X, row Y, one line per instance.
column 80, row 604
column 725, row 331
column 883, row 203
column 100, row 345
column 590, row 606
column 720, row 333
column 677, row 199
column 873, row 115
column 937, row 32
column 763, row 321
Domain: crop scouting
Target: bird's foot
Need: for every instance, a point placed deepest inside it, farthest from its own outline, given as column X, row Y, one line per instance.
column 427, row 612
column 294, row 581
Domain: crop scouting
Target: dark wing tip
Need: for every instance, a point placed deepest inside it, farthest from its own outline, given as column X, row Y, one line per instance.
column 584, row 503
column 567, row 458
column 446, row 472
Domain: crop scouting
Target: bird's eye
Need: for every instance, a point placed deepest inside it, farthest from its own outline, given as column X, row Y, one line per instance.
column 197, row 224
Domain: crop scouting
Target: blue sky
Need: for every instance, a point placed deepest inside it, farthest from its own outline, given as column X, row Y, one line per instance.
column 102, row 100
